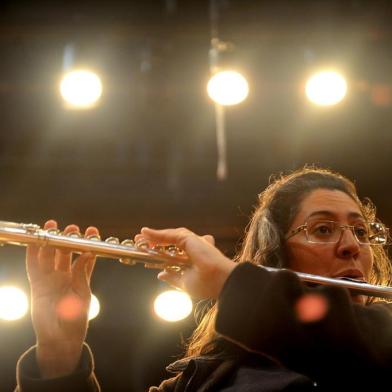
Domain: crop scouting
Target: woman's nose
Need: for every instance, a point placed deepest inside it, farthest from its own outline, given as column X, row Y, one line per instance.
column 348, row 245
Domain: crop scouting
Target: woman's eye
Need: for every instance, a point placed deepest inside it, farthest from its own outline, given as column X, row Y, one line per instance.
column 361, row 232
column 324, row 229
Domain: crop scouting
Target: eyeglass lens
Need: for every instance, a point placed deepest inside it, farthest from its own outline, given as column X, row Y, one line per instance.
column 329, row 231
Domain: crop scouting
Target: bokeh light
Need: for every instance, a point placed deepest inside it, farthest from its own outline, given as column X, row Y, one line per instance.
column 94, row 307
column 70, row 307
column 13, row 303
column 326, row 88
column 173, row 305
column 228, row 88
column 81, row 89
column 311, row 308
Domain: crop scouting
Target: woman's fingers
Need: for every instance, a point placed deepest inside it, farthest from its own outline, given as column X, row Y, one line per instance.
column 173, row 278
column 46, row 259
column 32, row 266
column 90, row 231
column 168, row 236
column 177, row 236
column 64, row 256
column 50, row 224
column 90, row 268
column 46, row 254
column 81, row 274
column 83, row 267
column 210, row 239
column 200, row 249
column 207, row 267
column 141, row 240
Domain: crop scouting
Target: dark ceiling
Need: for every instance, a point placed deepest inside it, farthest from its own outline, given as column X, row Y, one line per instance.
column 146, row 156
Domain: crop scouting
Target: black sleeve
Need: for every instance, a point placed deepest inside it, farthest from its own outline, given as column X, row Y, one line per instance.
column 258, row 310
column 82, row 380
column 168, row 385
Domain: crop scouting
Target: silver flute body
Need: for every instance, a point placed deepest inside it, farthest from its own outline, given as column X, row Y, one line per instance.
column 129, row 253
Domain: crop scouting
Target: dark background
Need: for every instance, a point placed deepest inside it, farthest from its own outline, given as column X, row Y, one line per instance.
column 146, row 156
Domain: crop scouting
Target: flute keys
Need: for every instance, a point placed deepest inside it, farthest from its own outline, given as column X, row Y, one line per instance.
column 112, row 240
column 31, row 227
column 131, row 244
column 153, row 266
column 142, row 244
column 174, row 268
column 73, row 234
column 127, row 261
column 172, row 250
column 94, row 237
column 53, row 231
column 159, row 248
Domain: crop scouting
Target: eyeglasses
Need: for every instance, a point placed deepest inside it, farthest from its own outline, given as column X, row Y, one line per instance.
column 323, row 231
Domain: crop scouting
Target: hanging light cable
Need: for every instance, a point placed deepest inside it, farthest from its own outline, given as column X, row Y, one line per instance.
column 226, row 87
column 219, row 108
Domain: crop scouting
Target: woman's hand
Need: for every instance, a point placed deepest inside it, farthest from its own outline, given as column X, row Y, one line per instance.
column 208, row 268
column 60, row 300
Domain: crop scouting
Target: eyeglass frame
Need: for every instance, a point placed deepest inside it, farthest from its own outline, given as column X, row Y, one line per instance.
column 304, row 227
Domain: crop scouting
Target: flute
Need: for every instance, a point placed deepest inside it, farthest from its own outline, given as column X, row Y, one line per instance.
column 130, row 253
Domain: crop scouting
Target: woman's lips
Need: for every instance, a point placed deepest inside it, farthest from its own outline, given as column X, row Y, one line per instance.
column 356, row 280
column 353, row 275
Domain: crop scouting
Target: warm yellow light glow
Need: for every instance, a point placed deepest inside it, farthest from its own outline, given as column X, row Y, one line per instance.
column 94, row 307
column 173, row 305
column 13, row 303
column 326, row 88
column 227, row 88
column 81, row 89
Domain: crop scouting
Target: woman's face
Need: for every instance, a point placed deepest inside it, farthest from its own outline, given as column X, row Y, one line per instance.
column 345, row 258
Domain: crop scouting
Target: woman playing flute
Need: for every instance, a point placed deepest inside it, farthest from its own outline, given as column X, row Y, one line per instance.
column 267, row 331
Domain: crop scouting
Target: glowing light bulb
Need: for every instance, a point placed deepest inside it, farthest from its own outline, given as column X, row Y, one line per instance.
column 326, row 88
column 13, row 303
column 173, row 305
column 81, row 89
column 228, row 88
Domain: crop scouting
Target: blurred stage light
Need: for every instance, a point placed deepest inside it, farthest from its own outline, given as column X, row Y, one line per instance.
column 13, row 303
column 173, row 305
column 227, row 88
column 94, row 307
column 81, row 89
column 326, row 88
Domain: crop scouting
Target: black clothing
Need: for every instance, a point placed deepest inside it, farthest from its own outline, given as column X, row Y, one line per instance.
column 349, row 347
column 269, row 348
column 242, row 371
column 29, row 379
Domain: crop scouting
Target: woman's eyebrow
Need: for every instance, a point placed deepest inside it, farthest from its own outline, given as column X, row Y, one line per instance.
column 351, row 215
